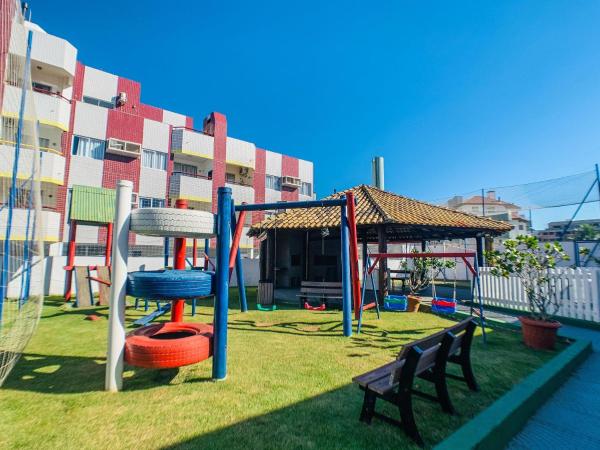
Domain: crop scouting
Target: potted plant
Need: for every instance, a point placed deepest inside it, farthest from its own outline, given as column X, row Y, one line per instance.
column 421, row 273
column 531, row 261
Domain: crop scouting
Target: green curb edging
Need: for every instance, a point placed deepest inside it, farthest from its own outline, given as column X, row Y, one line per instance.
column 494, row 427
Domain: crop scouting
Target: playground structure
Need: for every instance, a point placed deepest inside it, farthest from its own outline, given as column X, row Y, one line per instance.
column 197, row 341
column 82, row 214
column 442, row 305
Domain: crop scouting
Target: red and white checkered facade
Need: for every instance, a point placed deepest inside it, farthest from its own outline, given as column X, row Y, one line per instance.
column 220, row 159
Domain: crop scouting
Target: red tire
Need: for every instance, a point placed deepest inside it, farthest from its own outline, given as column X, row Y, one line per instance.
column 169, row 345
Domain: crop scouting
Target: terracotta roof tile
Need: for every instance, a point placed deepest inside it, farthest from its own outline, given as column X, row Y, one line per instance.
column 375, row 206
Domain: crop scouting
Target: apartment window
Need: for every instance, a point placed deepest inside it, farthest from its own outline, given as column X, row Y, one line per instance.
column 186, row 169
column 98, row 102
column 153, row 159
column 229, row 178
column 41, row 87
column 149, row 202
column 273, row 182
column 306, row 189
column 44, row 142
column 88, row 147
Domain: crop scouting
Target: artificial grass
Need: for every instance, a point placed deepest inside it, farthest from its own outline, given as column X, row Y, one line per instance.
column 289, row 385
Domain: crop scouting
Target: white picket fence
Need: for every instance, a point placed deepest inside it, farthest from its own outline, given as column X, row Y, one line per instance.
column 577, row 288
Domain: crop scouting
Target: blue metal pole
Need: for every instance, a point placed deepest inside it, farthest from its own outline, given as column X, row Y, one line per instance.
column 346, row 286
column 219, row 369
column 480, row 300
column 13, row 188
column 166, row 252
column 239, row 269
column 291, row 205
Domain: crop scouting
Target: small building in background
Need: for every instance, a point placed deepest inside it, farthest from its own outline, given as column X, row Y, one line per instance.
column 495, row 208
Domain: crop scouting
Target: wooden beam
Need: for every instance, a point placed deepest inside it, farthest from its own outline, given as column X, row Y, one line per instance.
column 382, row 248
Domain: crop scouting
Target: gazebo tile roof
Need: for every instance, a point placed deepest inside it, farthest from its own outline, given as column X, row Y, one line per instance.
column 374, row 207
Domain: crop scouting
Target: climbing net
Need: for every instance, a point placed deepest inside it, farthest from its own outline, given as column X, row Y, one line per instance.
column 21, row 219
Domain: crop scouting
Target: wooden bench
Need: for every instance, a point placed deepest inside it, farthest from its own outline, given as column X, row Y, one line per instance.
column 427, row 359
column 322, row 290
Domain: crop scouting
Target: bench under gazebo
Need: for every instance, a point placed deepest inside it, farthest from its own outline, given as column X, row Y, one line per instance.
column 304, row 245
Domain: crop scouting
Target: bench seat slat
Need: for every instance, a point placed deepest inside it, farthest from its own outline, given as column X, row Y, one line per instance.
column 384, row 371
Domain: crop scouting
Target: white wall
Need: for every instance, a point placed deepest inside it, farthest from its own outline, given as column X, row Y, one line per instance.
column 153, row 183
column 90, row 120
column 85, row 171
column 156, row 136
column 99, row 84
column 175, row 119
column 273, row 163
column 54, row 278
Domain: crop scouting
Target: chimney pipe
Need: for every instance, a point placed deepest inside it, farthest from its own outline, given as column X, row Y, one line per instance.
column 377, row 170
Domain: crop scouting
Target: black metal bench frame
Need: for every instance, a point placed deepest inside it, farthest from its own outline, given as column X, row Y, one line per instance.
column 427, row 359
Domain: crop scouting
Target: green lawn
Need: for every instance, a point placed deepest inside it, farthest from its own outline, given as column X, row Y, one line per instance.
column 289, row 385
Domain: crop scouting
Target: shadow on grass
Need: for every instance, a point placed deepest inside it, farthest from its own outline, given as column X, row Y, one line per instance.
column 58, row 374
column 326, row 421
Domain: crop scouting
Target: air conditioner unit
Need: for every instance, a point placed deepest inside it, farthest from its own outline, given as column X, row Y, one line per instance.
column 124, row 148
column 291, row 182
column 244, row 171
column 122, row 98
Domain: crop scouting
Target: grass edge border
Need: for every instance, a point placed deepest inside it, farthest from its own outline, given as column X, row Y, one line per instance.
column 495, row 426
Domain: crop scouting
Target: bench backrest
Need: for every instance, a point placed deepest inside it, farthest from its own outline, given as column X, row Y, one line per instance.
column 459, row 330
column 321, row 287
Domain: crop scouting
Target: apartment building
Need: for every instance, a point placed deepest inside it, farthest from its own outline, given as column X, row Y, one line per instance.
column 493, row 207
column 94, row 129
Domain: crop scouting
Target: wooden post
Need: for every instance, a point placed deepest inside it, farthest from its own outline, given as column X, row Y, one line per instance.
column 108, row 250
column 306, row 255
column 479, row 250
column 382, row 248
column 70, row 260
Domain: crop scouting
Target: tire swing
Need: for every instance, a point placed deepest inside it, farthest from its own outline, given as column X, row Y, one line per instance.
column 171, row 344
column 443, row 305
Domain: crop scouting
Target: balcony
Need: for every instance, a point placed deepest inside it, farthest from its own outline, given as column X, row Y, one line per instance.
column 241, row 193
column 50, row 225
column 192, row 143
column 51, row 109
column 192, row 188
column 241, row 153
column 52, row 165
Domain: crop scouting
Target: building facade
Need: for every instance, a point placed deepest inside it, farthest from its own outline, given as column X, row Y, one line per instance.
column 94, row 129
column 495, row 208
column 565, row 230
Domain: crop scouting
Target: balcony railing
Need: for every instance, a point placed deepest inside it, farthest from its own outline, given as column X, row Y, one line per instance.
column 51, row 109
column 52, row 167
column 192, row 188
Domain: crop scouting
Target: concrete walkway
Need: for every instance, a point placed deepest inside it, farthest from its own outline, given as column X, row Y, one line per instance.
column 571, row 418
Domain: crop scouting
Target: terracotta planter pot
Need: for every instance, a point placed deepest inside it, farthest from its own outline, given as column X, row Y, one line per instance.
column 414, row 301
column 539, row 334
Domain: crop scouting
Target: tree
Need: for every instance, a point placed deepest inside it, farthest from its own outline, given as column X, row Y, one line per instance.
column 423, row 270
column 530, row 261
column 586, row 232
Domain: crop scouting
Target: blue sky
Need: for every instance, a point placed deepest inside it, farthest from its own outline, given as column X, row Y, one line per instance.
column 454, row 95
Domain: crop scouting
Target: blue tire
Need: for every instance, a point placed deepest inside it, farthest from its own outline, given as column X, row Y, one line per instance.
column 170, row 284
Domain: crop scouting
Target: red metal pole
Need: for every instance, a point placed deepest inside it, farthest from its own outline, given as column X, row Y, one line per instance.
column 70, row 260
column 194, row 252
column 179, row 264
column 354, row 275
column 236, row 240
column 109, row 235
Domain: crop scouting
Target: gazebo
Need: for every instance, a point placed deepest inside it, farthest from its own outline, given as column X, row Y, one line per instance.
column 303, row 245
